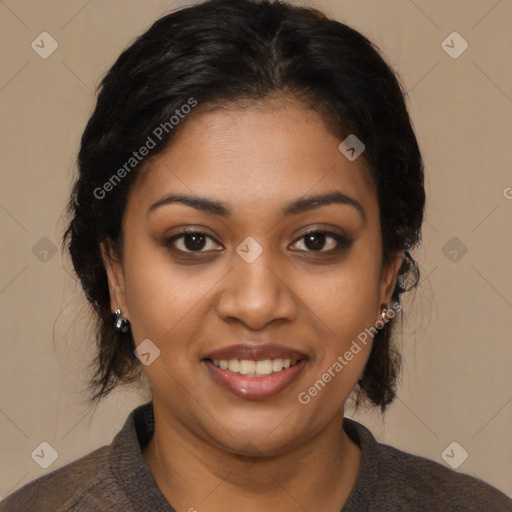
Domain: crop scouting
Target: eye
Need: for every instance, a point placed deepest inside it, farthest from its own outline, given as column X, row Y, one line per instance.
column 190, row 241
column 314, row 241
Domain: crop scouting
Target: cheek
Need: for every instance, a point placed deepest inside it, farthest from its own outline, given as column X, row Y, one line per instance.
column 344, row 310
column 344, row 302
column 345, row 299
column 167, row 302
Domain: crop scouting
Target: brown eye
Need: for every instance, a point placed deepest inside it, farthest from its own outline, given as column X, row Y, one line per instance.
column 315, row 241
column 190, row 241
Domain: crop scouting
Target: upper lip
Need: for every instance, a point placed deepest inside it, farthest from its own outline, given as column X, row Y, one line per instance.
column 256, row 352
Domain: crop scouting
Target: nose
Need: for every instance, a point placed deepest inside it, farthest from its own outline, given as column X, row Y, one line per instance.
column 257, row 293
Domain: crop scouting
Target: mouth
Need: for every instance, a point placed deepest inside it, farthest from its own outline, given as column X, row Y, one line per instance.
column 249, row 368
column 255, row 372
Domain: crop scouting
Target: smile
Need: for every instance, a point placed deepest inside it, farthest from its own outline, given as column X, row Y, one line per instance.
column 251, row 368
column 248, row 382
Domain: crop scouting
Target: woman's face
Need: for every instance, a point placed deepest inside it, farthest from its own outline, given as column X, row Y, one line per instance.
column 252, row 286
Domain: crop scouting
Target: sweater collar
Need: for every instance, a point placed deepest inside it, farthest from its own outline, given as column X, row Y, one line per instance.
column 134, row 477
column 368, row 476
column 128, row 464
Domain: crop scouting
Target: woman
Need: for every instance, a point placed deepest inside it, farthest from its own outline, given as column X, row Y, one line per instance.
column 249, row 189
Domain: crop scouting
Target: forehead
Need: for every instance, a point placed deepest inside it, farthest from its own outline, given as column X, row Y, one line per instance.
column 258, row 155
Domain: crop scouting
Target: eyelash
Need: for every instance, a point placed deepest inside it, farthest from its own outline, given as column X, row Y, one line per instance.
column 342, row 241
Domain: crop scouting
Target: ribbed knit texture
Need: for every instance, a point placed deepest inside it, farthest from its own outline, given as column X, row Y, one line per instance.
column 115, row 478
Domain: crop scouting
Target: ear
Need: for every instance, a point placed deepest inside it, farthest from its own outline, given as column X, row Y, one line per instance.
column 389, row 276
column 115, row 277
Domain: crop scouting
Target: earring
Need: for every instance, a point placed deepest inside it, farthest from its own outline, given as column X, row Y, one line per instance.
column 384, row 313
column 120, row 322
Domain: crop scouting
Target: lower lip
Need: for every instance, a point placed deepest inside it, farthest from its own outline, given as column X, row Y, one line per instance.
column 255, row 388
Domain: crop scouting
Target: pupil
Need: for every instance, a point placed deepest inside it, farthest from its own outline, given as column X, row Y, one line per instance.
column 198, row 241
column 320, row 241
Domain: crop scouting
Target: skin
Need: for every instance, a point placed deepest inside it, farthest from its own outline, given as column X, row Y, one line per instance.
column 212, row 450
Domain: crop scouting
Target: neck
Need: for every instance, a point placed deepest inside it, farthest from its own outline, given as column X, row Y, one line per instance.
column 192, row 473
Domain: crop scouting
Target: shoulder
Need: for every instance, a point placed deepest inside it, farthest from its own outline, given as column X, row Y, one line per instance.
column 391, row 479
column 112, row 477
column 52, row 491
column 423, row 481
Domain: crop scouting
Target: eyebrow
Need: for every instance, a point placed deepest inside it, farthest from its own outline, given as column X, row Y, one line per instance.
column 293, row 208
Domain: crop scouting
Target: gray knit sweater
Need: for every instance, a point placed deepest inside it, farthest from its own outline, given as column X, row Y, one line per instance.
column 115, row 478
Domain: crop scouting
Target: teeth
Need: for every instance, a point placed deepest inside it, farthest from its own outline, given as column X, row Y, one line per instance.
column 264, row 367
column 247, row 367
column 234, row 365
column 277, row 365
column 254, row 368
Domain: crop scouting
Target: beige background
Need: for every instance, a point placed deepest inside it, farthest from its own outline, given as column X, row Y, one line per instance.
column 457, row 383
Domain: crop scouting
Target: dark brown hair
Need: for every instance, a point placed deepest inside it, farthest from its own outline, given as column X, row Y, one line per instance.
column 222, row 51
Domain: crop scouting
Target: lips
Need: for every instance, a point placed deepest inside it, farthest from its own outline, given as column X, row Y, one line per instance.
column 252, row 387
column 256, row 352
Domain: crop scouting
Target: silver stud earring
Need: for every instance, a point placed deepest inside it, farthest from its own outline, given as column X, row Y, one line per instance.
column 120, row 322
